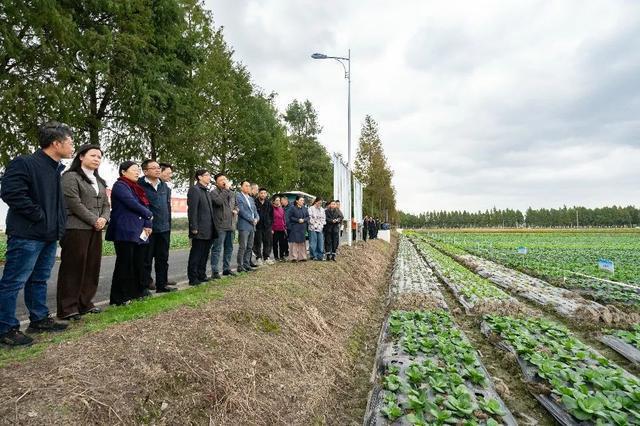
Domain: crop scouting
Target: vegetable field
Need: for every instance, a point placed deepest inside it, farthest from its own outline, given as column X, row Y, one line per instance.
column 430, row 372
column 568, row 259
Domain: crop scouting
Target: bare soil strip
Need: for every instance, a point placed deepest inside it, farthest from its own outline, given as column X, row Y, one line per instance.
column 289, row 344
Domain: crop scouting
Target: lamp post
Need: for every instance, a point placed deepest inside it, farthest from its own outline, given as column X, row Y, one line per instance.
column 347, row 75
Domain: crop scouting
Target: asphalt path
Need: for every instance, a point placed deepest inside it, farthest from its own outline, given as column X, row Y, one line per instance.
column 178, row 260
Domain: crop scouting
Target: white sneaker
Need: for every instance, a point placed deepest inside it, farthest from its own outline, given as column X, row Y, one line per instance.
column 259, row 262
column 270, row 262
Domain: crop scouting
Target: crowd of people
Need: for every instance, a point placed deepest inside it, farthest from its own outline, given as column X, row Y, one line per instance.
column 48, row 204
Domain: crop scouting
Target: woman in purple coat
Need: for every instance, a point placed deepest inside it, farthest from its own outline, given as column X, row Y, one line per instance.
column 129, row 229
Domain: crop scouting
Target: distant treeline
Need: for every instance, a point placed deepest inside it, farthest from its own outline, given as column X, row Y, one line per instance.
column 495, row 218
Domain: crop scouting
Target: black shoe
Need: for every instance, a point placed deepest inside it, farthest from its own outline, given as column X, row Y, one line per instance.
column 229, row 273
column 166, row 289
column 15, row 337
column 72, row 317
column 46, row 325
column 194, row 283
column 216, row 276
column 253, row 265
column 173, row 283
column 93, row 310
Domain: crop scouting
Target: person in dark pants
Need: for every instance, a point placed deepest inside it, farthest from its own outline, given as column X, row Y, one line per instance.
column 365, row 226
column 224, row 213
column 88, row 212
column 284, row 202
column 279, row 228
column 247, row 220
column 35, row 222
column 332, row 230
column 129, row 229
column 202, row 230
column 159, row 196
column 373, row 228
column 263, row 239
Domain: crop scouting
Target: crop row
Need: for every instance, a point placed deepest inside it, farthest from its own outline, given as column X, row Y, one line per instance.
column 432, row 374
column 555, row 257
column 411, row 275
column 468, row 287
column 583, row 385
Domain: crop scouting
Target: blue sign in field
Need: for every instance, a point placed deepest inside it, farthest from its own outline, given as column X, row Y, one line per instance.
column 606, row 265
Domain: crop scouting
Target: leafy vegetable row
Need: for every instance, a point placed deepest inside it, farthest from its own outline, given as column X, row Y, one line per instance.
column 586, row 384
column 631, row 337
column 440, row 383
column 471, row 286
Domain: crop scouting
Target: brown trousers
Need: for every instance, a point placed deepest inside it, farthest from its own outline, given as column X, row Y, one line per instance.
column 79, row 271
column 298, row 251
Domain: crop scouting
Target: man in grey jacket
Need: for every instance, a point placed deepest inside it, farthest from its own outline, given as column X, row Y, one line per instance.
column 224, row 212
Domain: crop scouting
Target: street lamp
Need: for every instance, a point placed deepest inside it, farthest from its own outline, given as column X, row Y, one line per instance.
column 347, row 75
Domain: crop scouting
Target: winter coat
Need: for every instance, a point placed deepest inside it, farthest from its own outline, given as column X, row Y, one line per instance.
column 224, row 202
column 200, row 213
column 334, row 220
column 296, row 229
column 84, row 206
column 128, row 215
column 317, row 219
column 279, row 219
column 159, row 204
column 265, row 212
column 31, row 188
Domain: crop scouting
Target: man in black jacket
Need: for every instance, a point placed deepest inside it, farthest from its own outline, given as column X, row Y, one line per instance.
column 35, row 222
column 332, row 230
column 159, row 196
column 264, row 233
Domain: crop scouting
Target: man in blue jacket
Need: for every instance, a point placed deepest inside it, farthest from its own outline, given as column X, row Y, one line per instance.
column 247, row 220
column 35, row 222
column 159, row 196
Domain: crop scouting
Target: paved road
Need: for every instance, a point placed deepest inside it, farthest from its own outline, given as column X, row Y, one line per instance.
column 177, row 272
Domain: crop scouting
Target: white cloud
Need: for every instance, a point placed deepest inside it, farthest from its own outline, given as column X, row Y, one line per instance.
column 479, row 103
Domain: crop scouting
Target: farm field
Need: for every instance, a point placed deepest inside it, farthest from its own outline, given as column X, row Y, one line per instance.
column 560, row 257
column 439, row 364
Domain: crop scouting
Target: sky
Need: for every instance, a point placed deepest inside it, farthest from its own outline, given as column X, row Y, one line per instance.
column 479, row 103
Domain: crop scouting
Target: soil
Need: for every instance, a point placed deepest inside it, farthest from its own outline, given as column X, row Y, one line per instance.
column 289, row 344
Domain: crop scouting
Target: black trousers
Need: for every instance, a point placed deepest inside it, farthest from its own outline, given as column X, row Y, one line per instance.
column 280, row 244
column 354, row 234
column 262, row 242
column 331, row 241
column 127, row 282
column 364, row 233
column 198, row 256
column 158, row 249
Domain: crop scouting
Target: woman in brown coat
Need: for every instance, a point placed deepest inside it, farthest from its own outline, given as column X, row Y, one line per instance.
column 87, row 214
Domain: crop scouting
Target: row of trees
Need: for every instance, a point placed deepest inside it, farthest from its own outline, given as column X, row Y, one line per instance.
column 563, row 217
column 150, row 79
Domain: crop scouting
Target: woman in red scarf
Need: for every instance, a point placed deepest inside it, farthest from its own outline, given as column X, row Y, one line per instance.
column 129, row 229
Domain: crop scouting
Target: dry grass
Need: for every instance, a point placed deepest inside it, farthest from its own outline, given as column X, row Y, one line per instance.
column 276, row 349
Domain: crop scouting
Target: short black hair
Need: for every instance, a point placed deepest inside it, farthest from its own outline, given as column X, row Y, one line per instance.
column 164, row 166
column 336, row 201
column 200, row 172
column 316, row 200
column 262, row 189
column 146, row 162
column 53, row 131
column 243, row 182
column 124, row 166
column 217, row 175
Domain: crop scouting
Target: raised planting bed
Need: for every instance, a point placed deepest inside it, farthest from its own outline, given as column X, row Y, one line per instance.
column 572, row 381
column 412, row 277
column 471, row 290
column 428, row 373
column 625, row 342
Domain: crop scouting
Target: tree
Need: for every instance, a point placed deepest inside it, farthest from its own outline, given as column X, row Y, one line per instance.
column 314, row 170
column 371, row 168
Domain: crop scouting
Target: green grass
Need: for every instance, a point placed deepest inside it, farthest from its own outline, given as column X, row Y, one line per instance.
column 192, row 297
column 179, row 240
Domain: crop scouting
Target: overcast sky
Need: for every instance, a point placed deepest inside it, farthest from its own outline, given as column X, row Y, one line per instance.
column 480, row 103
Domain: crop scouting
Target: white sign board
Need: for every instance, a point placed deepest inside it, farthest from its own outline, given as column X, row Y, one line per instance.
column 342, row 185
column 357, row 200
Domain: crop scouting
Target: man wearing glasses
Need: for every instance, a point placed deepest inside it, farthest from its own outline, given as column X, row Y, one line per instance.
column 159, row 196
column 35, row 222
